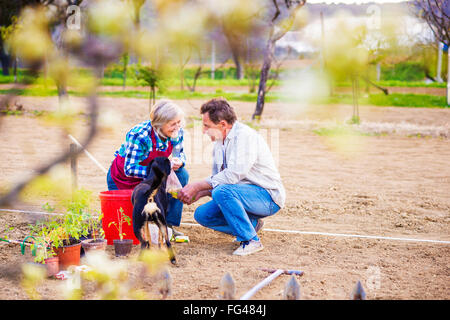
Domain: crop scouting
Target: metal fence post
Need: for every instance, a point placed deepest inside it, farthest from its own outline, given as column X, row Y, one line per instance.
column 73, row 166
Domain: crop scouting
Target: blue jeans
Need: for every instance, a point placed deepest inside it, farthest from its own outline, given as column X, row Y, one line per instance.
column 235, row 210
column 175, row 208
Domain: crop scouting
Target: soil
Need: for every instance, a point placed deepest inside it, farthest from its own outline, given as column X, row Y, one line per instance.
column 393, row 183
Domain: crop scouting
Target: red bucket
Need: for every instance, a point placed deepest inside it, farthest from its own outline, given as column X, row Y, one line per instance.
column 111, row 202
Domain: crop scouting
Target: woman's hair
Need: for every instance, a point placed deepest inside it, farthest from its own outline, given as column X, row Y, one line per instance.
column 164, row 111
column 219, row 109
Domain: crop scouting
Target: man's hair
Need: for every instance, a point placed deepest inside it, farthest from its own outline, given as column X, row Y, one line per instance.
column 218, row 109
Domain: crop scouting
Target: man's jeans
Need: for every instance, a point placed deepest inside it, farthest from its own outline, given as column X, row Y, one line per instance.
column 175, row 207
column 235, row 209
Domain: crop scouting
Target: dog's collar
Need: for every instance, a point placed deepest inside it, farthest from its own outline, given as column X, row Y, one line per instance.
column 151, row 197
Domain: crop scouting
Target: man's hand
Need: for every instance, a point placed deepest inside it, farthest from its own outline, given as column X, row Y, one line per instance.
column 194, row 191
column 188, row 193
column 201, row 194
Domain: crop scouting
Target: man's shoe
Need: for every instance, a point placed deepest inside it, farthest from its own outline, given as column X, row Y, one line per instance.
column 248, row 247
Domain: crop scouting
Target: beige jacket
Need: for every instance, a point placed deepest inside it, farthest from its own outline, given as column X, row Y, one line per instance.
column 247, row 159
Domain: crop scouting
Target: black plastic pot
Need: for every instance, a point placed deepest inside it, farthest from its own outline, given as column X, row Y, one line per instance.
column 122, row 247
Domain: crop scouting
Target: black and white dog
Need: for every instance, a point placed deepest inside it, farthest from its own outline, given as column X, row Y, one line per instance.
column 150, row 204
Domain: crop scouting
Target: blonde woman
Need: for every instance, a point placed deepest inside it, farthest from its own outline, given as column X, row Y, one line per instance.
column 161, row 136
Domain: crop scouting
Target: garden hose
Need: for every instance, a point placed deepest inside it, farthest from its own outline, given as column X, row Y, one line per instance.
column 22, row 246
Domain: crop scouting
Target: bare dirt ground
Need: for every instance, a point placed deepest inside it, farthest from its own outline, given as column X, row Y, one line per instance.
column 394, row 183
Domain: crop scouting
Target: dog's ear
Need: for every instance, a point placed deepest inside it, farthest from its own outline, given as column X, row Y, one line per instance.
column 161, row 167
column 167, row 166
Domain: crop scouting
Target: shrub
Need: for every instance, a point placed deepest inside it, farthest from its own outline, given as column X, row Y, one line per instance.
column 404, row 71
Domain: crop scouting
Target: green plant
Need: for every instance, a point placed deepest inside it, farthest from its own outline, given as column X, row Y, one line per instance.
column 66, row 229
column 404, row 71
column 339, row 130
column 93, row 226
column 5, row 231
column 121, row 219
column 42, row 244
column 48, row 207
column 152, row 78
column 354, row 120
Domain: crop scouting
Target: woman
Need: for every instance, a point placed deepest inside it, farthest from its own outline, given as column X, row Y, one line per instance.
column 161, row 136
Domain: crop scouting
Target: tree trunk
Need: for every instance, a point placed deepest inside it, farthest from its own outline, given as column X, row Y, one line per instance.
column 61, row 86
column 5, row 60
column 213, row 59
column 267, row 62
column 197, row 74
column 270, row 48
column 182, row 79
column 439, row 62
column 237, row 63
column 15, row 63
column 125, row 67
column 235, row 48
column 62, row 94
column 448, row 77
column 355, row 90
column 150, row 98
column 378, row 72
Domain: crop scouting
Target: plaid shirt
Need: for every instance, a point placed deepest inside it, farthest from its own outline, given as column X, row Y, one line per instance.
column 138, row 145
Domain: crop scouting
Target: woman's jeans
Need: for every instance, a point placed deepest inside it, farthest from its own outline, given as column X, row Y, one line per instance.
column 175, row 208
column 235, row 209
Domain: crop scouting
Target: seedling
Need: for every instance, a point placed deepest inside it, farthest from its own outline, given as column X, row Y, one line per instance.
column 42, row 244
column 93, row 227
column 63, row 230
column 7, row 230
column 121, row 219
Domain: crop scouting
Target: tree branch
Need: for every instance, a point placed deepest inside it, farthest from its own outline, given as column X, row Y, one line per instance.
column 277, row 12
column 11, row 195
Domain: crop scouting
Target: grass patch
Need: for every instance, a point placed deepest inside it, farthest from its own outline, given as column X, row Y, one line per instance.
column 394, row 99
column 179, row 95
column 408, row 100
column 339, row 130
column 395, row 83
column 222, row 78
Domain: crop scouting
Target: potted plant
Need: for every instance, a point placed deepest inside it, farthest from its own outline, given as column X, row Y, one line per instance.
column 66, row 243
column 122, row 247
column 67, row 230
column 44, row 250
column 96, row 237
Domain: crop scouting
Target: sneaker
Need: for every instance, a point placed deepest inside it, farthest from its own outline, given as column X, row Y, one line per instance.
column 248, row 247
column 175, row 232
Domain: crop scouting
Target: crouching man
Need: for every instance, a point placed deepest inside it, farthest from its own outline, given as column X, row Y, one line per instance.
column 245, row 185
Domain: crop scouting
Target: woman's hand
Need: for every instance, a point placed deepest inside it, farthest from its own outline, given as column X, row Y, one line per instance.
column 176, row 163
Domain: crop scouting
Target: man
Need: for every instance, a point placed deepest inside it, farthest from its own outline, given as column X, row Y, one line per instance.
column 245, row 185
